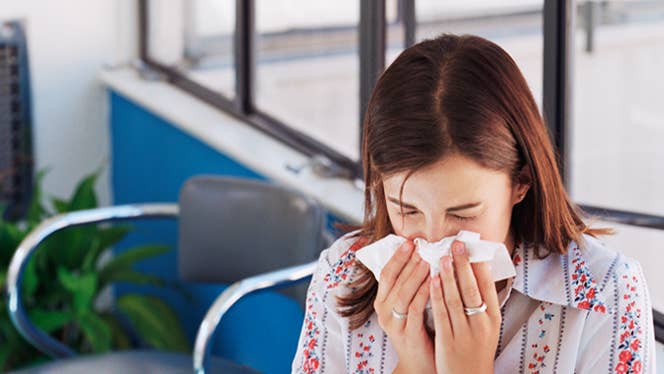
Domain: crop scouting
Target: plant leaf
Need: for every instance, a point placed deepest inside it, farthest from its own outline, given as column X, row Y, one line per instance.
column 10, row 237
column 104, row 238
column 113, row 235
column 70, row 246
column 36, row 210
column 120, row 338
column 84, row 196
column 30, row 278
column 96, row 331
column 155, row 322
column 91, row 255
column 60, row 205
column 48, row 320
column 132, row 276
column 127, row 259
column 82, row 286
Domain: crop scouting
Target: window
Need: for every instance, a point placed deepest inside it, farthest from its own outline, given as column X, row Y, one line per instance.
column 618, row 117
column 271, row 72
column 302, row 71
column 307, row 68
column 195, row 38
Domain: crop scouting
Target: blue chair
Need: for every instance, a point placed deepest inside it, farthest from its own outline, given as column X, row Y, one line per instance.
column 241, row 232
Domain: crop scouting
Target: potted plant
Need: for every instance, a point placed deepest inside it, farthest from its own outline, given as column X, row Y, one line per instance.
column 66, row 277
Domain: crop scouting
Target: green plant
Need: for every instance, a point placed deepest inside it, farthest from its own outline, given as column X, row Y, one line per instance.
column 64, row 279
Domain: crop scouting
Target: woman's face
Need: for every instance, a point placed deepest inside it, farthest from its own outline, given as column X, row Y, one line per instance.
column 451, row 195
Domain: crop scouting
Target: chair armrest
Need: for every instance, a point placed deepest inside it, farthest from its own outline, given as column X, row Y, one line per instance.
column 269, row 280
column 38, row 338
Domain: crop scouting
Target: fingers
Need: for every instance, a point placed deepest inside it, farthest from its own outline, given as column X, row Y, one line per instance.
column 391, row 271
column 470, row 293
column 487, row 287
column 408, row 282
column 418, row 304
column 452, row 297
column 441, row 319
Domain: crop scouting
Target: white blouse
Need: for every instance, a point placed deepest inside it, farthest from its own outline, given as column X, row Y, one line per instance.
column 587, row 311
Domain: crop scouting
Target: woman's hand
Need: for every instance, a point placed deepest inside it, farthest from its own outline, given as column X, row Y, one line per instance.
column 464, row 344
column 404, row 287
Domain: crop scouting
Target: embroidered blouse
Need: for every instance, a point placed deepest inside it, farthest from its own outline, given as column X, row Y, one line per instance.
column 587, row 311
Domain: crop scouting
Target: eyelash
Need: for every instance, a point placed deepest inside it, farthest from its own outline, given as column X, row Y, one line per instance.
column 458, row 218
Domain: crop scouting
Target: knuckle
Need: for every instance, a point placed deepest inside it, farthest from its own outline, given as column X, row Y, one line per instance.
column 454, row 303
column 400, row 295
column 386, row 274
column 472, row 293
column 439, row 312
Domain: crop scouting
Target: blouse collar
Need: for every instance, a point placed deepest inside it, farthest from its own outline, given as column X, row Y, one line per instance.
column 559, row 279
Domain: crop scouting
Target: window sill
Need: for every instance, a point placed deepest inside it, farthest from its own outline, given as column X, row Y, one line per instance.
column 248, row 146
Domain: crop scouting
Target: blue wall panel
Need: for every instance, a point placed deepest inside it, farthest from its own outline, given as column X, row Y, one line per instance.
column 151, row 161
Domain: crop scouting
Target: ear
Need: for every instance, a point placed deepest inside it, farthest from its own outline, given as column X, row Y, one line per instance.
column 522, row 185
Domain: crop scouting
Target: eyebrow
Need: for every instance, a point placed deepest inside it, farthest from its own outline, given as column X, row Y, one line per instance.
column 452, row 209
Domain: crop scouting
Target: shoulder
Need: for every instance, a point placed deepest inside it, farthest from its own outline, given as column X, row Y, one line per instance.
column 336, row 262
column 606, row 263
column 623, row 286
column 619, row 277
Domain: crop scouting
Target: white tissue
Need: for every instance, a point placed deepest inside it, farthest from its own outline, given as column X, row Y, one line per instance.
column 377, row 254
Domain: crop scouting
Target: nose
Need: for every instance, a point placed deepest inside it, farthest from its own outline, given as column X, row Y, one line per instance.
column 436, row 230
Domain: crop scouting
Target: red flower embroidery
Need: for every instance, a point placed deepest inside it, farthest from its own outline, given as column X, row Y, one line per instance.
column 629, row 345
column 621, row 368
column 636, row 367
column 636, row 344
column 342, row 268
column 585, row 288
column 625, row 356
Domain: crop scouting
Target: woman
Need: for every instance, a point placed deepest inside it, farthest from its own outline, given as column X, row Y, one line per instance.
column 454, row 118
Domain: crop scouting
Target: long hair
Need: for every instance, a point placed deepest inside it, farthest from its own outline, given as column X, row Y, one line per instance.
column 459, row 95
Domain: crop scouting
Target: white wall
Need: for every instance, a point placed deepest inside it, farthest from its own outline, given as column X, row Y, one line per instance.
column 68, row 43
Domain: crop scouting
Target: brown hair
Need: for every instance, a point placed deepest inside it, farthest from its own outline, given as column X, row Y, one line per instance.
column 459, row 95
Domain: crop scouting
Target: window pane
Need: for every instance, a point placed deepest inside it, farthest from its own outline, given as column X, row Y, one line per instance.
column 515, row 25
column 307, row 68
column 196, row 38
column 394, row 29
column 617, row 134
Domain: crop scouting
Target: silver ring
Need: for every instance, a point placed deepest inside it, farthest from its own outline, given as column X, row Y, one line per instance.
column 398, row 315
column 476, row 310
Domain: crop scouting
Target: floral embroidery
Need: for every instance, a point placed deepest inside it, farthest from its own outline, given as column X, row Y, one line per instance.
column 517, row 259
column 364, row 352
column 311, row 361
column 537, row 362
column 585, row 287
column 629, row 348
column 341, row 269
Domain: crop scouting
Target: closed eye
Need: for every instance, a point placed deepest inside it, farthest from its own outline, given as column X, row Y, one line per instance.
column 407, row 213
column 458, row 218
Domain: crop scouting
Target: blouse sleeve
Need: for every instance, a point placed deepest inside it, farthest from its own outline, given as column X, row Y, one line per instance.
column 622, row 341
column 321, row 347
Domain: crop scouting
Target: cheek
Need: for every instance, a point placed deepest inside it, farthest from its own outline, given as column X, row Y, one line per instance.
column 492, row 226
column 401, row 225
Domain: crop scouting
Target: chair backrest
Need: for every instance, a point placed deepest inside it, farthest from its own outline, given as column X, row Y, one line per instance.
column 231, row 228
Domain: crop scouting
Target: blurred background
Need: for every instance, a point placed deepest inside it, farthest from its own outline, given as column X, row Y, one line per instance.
column 112, row 102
